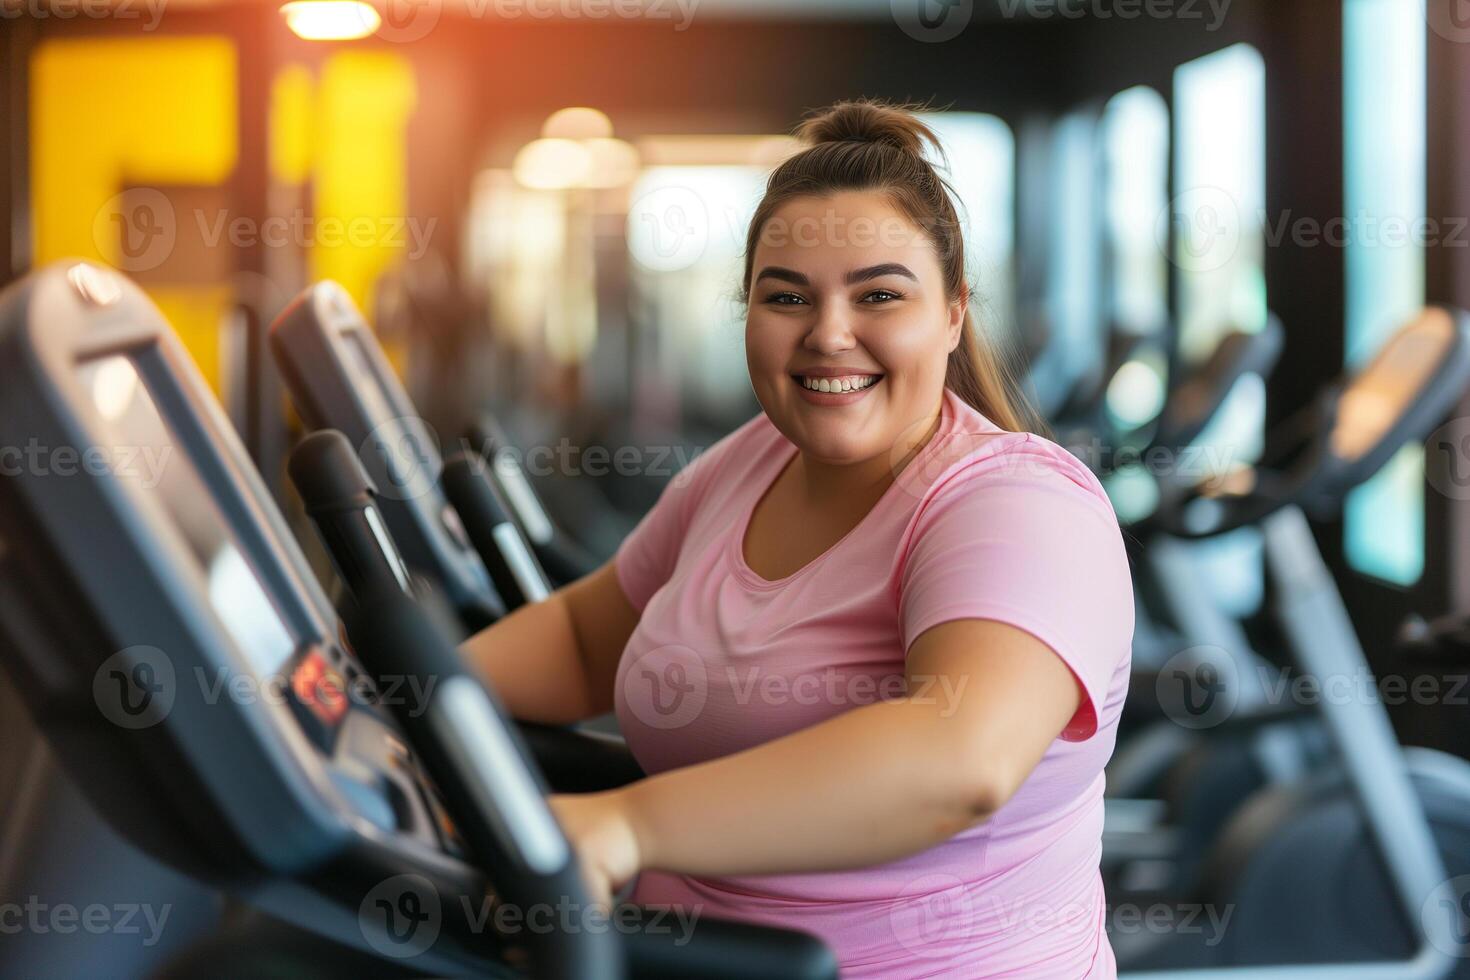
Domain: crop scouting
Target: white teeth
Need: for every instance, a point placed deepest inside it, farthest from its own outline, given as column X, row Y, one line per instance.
column 851, row 383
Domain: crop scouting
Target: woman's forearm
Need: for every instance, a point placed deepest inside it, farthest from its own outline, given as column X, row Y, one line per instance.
column 870, row 786
column 532, row 661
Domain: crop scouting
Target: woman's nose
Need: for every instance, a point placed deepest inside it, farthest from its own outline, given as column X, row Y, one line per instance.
column 831, row 331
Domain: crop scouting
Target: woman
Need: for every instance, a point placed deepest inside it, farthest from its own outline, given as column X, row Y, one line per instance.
column 872, row 646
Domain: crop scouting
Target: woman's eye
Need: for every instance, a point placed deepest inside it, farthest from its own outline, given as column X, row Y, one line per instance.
column 785, row 299
column 881, row 296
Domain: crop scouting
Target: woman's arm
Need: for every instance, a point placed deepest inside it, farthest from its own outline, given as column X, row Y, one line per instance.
column 869, row 786
column 554, row 661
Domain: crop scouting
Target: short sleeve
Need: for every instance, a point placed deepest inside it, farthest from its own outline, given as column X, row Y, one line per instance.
column 646, row 558
column 1036, row 547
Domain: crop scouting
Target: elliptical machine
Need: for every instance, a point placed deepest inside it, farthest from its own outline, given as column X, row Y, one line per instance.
column 1307, row 866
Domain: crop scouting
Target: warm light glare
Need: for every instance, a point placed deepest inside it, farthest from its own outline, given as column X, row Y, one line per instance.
column 614, row 162
column 577, row 123
column 553, row 164
column 331, row 20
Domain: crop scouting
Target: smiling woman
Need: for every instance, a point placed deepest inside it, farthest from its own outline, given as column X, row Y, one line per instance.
column 871, row 647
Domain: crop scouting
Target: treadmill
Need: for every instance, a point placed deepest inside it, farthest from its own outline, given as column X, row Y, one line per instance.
column 172, row 646
column 339, row 378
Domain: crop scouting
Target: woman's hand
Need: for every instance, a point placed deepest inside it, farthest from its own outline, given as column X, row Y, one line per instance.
column 601, row 830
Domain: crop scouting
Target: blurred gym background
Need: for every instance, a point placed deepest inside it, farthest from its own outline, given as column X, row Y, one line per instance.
column 541, row 206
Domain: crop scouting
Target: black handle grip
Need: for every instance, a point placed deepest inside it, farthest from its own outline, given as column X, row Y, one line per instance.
column 340, row 500
column 513, row 567
column 479, row 763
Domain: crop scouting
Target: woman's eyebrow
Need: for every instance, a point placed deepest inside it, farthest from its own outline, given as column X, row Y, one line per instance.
column 786, row 275
column 874, row 271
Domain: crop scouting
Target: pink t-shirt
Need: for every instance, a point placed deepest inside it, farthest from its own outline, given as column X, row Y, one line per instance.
column 981, row 524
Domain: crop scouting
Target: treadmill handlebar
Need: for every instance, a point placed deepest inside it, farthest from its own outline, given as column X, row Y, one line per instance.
column 1302, row 464
column 487, row 521
column 341, row 501
column 494, row 794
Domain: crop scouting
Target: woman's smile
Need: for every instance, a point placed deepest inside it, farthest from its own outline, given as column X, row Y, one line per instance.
column 833, row 387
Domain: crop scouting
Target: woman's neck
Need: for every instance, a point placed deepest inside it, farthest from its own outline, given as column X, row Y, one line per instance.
column 818, row 482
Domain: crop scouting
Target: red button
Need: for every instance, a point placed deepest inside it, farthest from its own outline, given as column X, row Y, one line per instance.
column 320, row 689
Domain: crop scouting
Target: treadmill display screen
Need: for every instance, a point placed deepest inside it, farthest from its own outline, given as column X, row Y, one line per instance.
column 146, row 452
column 412, row 463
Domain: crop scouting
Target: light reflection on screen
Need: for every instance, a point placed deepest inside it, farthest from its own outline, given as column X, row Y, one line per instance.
column 235, row 592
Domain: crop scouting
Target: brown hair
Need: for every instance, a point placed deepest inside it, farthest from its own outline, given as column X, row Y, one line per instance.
column 869, row 145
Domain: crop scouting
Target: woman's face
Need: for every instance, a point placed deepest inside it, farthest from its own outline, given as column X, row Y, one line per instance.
column 846, row 293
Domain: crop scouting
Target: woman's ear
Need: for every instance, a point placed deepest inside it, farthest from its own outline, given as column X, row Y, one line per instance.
column 956, row 325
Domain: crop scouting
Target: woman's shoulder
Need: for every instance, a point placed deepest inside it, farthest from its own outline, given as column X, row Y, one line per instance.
column 970, row 454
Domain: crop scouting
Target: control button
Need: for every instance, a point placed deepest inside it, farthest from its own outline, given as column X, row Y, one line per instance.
column 320, row 689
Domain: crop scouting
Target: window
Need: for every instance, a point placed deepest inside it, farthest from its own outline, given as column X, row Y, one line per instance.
column 1383, row 122
column 1213, row 229
column 982, row 165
